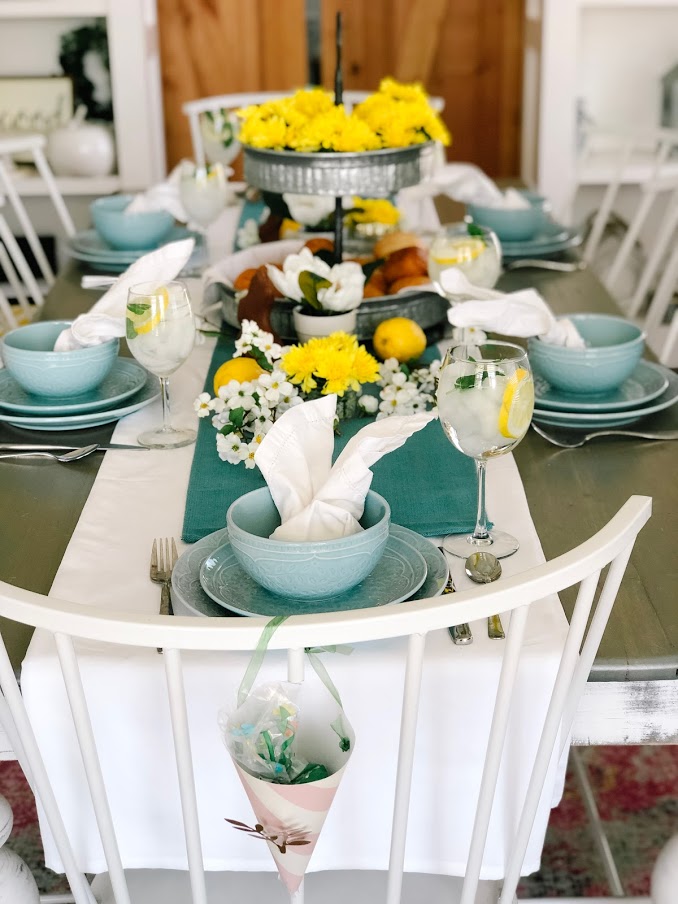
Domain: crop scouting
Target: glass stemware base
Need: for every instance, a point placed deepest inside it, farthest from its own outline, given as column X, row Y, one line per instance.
column 167, row 437
column 498, row 542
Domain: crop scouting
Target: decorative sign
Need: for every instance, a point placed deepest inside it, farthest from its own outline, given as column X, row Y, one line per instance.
column 35, row 104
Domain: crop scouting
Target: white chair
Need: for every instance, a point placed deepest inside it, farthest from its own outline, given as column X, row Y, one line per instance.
column 612, row 546
column 12, row 259
column 217, row 104
column 654, row 155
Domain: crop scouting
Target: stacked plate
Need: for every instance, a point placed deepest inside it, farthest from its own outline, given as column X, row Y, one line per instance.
column 91, row 249
column 127, row 388
column 650, row 388
column 552, row 239
column 207, row 580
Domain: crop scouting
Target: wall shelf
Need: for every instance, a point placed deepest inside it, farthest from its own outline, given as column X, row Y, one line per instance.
column 599, row 169
column 52, row 9
column 32, row 186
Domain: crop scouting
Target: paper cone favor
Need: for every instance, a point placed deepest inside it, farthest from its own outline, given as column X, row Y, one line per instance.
column 290, row 818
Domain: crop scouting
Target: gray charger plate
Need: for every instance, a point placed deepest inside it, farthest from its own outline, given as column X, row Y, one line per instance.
column 188, row 597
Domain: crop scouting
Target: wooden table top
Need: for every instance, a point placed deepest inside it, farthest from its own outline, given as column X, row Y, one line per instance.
column 572, row 493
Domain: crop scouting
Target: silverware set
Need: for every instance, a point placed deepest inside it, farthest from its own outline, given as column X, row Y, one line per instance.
column 483, row 568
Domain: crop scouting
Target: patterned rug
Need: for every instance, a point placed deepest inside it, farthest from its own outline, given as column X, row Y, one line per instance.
column 636, row 789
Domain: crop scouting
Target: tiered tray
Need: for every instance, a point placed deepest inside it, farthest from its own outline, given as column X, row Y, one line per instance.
column 370, row 174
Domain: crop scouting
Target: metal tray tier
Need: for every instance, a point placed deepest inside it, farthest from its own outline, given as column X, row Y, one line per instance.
column 427, row 308
column 370, row 174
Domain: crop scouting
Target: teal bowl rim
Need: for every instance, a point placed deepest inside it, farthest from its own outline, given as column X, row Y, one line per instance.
column 63, row 356
column 107, row 205
column 599, row 351
column 304, row 545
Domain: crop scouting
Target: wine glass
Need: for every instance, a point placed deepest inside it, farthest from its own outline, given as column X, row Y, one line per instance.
column 475, row 250
column 160, row 334
column 204, row 193
column 485, row 401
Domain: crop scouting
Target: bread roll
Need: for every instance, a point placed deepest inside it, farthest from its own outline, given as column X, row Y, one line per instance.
column 405, row 262
column 406, row 281
column 243, row 280
column 319, row 244
column 394, row 241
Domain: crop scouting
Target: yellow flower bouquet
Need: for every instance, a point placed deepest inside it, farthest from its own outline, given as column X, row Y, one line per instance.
column 395, row 116
column 335, row 363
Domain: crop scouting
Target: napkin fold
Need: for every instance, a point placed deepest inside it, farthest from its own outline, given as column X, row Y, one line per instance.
column 166, row 195
column 317, row 500
column 468, row 184
column 106, row 319
column 523, row 313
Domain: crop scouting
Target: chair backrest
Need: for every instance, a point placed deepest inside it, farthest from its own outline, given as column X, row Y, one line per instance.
column 195, row 110
column 582, row 566
column 645, row 159
column 12, row 259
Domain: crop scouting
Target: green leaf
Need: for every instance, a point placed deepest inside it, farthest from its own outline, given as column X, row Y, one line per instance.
column 309, row 283
column 226, row 429
column 260, row 358
column 469, row 381
column 237, row 416
column 474, row 229
column 129, row 328
column 139, row 307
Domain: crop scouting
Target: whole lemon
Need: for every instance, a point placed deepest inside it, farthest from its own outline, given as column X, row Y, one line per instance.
column 241, row 369
column 399, row 338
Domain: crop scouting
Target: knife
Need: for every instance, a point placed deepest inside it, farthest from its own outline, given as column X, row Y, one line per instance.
column 40, row 447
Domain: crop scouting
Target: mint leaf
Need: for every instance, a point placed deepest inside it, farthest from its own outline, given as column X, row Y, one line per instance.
column 139, row 307
column 473, row 229
column 469, row 381
column 130, row 330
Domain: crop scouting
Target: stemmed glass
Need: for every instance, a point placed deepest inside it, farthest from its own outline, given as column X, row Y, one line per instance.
column 485, row 401
column 475, row 250
column 204, row 192
column 160, row 334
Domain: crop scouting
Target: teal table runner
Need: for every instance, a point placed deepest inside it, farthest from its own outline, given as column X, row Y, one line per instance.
column 430, row 486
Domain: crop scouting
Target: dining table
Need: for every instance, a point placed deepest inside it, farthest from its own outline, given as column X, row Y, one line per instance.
column 632, row 693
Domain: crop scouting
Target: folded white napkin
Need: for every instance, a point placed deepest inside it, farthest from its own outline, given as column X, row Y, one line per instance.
column 462, row 182
column 106, row 319
column 523, row 313
column 317, row 500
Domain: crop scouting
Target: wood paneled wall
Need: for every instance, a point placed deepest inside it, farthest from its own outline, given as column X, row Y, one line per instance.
column 467, row 51
column 224, row 46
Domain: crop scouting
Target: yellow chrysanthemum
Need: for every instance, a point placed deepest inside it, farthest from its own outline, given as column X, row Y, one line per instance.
column 378, row 210
column 336, row 363
column 365, row 366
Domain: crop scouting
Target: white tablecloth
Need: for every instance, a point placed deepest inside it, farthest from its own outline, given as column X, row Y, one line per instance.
column 140, row 495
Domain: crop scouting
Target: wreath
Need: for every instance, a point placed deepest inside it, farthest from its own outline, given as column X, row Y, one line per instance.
column 75, row 45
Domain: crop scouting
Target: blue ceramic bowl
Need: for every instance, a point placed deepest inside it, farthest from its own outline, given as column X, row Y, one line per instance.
column 517, row 225
column 28, row 355
column 311, row 569
column 613, row 348
column 129, row 231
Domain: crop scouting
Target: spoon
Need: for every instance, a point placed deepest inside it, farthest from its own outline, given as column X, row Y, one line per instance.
column 66, row 457
column 483, row 568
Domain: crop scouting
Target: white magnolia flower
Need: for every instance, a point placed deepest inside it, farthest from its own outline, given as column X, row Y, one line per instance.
column 309, row 210
column 287, row 279
column 346, row 291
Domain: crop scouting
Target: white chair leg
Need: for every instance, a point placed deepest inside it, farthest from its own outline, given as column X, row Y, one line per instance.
column 24, row 220
column 663, row 295
column 15, row 252
column 666, row 354
column 632, row 234
column 43, row 168
column 664, row 882
column 14, row 281
column 7, row 312
column 17, row 885
column 665, row 234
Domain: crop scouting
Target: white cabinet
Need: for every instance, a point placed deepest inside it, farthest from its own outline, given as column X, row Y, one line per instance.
column 604, row 57
column 135, row 81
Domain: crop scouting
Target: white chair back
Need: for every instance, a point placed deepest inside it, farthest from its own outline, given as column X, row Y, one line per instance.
column 12, row 259
column 582, row 566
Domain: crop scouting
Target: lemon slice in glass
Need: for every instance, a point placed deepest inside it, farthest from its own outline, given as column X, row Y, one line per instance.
column 145, row 315
column 457, row 250
column 517, row 405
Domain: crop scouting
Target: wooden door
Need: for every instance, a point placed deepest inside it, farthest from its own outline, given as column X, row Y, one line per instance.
column 467, row 51
column 224, row 46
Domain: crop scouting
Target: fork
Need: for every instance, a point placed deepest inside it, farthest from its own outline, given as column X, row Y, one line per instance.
column 460, row 634
column 162, row 563
column 571, row 440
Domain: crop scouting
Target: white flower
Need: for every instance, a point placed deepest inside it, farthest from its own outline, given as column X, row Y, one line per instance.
column 368, row 403
column 248, row 234
column 469, row 335
column 230, row 447
column 250, row 453
column 202, row 404
column 287, row 279
column 309, row 210
column 346, row 291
